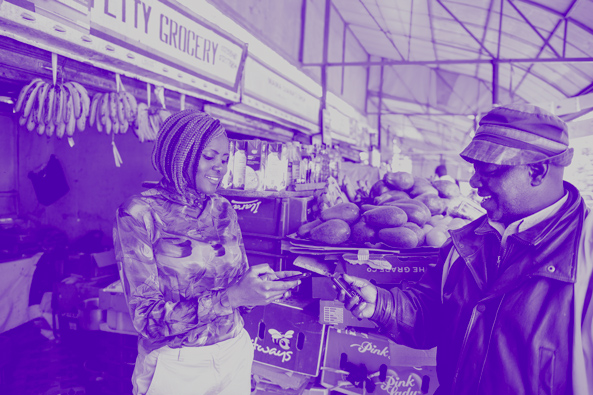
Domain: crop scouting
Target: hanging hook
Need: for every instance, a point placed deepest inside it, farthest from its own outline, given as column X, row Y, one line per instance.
column 54, row 67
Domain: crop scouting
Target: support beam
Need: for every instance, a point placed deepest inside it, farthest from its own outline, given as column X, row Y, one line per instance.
column 528, row 22
column 323, row 103
column 582, row 25
column 494, row 83
column 541, row 50
column 466, row 29
column 451, row 61
column 420, row 114
column 380, row 110
column 303, row 28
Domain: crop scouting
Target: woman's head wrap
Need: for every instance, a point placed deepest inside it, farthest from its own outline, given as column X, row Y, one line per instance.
column 179, row 145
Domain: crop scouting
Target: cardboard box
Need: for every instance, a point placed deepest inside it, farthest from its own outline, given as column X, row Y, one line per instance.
column 120, row 322
column 276, row 261
column 273, row 378
column 401, row 355
column 258, row 214
column 112, row 297
column 322, row 288
column 113, row 301
column 402, row 267
column 91, row 265
column 316, row 391
column 286, row 337
column 375, row 353
column 274, row 216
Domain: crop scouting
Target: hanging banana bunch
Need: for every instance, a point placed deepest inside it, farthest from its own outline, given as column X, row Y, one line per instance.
column 113, row 111
column 150, row 119
column 53, row 108
column 149, row 122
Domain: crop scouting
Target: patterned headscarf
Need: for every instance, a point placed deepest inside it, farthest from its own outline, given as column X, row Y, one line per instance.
column 179, row 145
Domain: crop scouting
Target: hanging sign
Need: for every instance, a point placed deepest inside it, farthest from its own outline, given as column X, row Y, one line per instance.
column 269, row 87
column 160, row 36
column 163, row 30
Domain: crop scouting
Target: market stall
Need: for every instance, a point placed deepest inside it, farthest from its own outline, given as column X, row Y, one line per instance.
column 334, row 136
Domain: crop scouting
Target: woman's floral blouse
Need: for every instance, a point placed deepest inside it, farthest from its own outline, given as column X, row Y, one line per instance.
column 176, row 262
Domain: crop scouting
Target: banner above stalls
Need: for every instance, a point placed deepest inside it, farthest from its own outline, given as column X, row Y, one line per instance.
column 354, row 131
column 239, row 123
column 160, row 36
column 268, row 91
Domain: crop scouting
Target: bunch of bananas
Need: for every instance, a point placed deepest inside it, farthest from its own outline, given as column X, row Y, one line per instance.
column 149, row 121
column 113, row 111
column 49, row 108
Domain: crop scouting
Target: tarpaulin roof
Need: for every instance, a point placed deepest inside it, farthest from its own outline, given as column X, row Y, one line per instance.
column 447, row 61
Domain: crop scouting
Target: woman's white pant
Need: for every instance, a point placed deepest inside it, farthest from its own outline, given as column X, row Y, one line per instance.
column 223, row 368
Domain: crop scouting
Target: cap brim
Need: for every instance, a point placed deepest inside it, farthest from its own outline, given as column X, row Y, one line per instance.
column 489, row 152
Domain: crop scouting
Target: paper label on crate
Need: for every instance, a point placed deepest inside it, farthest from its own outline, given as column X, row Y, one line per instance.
column 333, row 315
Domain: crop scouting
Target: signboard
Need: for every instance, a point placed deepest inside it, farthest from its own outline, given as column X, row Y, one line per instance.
column 340, row 123
column 163, row 30
column 156, row 36
column 72, row 13
column 265, row 85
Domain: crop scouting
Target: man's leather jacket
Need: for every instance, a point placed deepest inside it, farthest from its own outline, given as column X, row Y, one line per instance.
column 502, row 322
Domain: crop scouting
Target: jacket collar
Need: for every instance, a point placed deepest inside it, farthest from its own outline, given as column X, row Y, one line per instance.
column 189, row 197
column 542, row 243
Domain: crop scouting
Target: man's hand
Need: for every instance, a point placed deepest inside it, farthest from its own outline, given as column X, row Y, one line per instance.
column 257, row 287
column 363, row 302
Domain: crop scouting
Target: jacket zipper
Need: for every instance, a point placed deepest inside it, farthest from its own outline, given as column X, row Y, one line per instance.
column 499, row 260
column 468, row 328
column 463, row 346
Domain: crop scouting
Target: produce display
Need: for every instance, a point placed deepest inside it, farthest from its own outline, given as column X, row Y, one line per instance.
column 113, row 111
column 402, row 211
column 62, row 108
column 149, row 121
column 53, row 108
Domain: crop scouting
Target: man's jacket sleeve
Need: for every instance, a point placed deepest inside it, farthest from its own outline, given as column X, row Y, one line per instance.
column 411, row 315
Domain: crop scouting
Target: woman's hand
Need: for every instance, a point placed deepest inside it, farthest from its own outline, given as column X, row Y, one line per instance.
column 258, row 286
column 363, row 302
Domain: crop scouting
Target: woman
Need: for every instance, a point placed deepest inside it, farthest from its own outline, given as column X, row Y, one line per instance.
column 184, row 270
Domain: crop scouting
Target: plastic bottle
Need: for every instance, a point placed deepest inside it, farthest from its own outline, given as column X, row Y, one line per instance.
column 240, row 164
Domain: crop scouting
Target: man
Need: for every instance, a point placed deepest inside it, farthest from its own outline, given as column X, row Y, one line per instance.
column 508, row 305
column 440, row 173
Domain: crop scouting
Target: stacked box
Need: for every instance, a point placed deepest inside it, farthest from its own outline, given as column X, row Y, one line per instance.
column 112, row 300
column 392, row 368
column 287, row 337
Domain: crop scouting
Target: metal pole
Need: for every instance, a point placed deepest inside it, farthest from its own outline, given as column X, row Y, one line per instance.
column 494, row 82
column 303, row 28
column 452, row 61
column 324, row 67
column 380, row 108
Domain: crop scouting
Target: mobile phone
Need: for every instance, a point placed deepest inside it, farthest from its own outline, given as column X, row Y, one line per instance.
column 295, row 277
column 341, row 284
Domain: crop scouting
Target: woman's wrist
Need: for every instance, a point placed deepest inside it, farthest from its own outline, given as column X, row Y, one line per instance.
column 230, row 297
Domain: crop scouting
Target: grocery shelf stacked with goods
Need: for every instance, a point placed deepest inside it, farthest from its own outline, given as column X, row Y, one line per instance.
column 270, row 186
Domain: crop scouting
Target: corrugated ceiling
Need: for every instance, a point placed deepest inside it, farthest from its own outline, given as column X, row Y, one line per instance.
column 441, row 54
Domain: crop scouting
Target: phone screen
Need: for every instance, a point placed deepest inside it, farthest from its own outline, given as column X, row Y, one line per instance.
column 295, row 277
